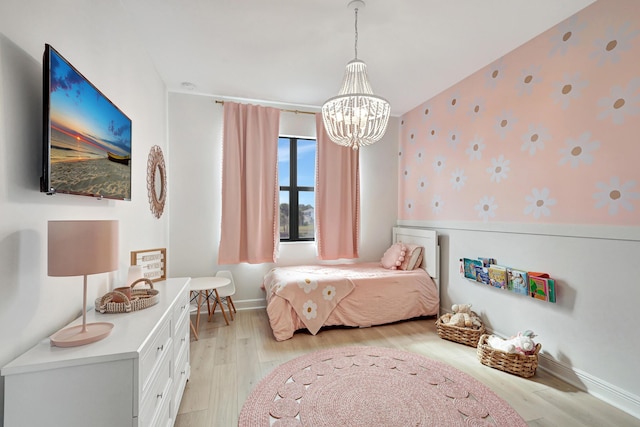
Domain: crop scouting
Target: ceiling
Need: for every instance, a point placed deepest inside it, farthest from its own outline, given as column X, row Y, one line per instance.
column 294, row 52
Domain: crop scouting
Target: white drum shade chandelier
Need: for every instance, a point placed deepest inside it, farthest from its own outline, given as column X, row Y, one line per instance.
column 356, row 117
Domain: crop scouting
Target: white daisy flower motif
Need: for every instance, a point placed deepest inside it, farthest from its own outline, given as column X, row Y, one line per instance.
column 427, row 111
column 412, row 136
column 406, row 172
column 409, row 204
column 454, row 101
column 486, row 208
column 474, row 151
column 538, row 203
column 310, row 310
column 504, row 123
column 566, row 34
column 458, row 178
column 499, row 168
column 453, row 138
column 307, row 285
column 578, row 151
column 534, row 139
column 422, row 184
column 439, row 163
column 329, row 292
column 433, row 131
column 568, row 89
column 436, row 204
column 420, row 154
column 494, row 74
column 614, row 194
column 614, row 42
column 528, row 79
column 476, row 108
column 621, row 103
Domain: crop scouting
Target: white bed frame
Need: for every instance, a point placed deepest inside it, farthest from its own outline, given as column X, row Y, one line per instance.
column 427, row 239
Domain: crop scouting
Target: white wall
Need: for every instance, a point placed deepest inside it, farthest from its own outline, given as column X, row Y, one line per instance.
column 195, row 141
column 588, row 337
column 32, row 305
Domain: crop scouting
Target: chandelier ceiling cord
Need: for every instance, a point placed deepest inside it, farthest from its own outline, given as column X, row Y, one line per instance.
column 356, row 117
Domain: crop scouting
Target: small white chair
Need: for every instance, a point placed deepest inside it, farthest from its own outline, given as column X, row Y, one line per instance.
column 203, row 289
column 226, row 292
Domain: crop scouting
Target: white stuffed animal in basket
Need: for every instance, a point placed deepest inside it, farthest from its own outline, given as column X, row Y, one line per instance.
column 522, row 343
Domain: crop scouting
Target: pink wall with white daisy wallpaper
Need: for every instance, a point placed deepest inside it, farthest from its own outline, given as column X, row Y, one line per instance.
column 549, row 133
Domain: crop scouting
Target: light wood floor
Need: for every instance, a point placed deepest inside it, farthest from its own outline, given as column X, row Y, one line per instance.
column 228, row 361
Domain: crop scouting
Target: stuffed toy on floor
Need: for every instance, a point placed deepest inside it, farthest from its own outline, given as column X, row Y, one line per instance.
column 522, row 343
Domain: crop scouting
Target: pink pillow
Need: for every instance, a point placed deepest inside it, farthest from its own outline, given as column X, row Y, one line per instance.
column 413, row 257
column 393, row 257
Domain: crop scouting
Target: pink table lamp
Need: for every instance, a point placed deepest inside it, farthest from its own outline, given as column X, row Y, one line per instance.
column 80, row 248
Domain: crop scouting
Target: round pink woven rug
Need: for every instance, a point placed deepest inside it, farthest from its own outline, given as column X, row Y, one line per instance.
column 373, row 386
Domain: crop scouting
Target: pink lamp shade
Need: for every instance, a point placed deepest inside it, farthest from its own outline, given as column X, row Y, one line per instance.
column 80, row 248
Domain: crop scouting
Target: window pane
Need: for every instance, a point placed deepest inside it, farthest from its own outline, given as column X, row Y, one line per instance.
column 284, row 215
column 306, row 215
column 284, row 179
column 306, row 162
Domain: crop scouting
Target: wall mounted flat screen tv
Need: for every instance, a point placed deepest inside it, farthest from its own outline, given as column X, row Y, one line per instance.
column 86, row 138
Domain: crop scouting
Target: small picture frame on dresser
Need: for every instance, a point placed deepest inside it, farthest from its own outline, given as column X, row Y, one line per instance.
column 153, row 262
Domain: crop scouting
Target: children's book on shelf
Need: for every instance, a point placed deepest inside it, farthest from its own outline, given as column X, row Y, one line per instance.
column 517, row 281
column 498, row 276
column 538, row 287
column 551, row 289
column 470, row 267
column 542, row 287
column 486, row 262
column 482, row 274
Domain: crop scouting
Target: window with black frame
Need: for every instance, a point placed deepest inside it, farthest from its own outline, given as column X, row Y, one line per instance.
column 296, row 176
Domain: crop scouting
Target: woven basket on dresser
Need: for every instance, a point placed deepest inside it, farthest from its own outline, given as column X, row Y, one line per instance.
column 513, row 363
column 461, row 334
column 141, row 298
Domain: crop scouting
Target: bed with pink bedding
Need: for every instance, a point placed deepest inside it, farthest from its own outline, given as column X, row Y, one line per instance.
column 361, row 294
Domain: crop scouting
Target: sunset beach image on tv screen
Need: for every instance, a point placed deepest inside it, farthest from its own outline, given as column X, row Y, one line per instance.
column 90, row 138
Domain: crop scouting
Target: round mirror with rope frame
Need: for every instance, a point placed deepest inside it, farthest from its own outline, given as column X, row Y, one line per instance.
column 156, row 181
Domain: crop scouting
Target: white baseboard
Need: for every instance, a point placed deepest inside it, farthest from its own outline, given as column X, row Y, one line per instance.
column 613, row 395
column 604, row 391
column 250, row 304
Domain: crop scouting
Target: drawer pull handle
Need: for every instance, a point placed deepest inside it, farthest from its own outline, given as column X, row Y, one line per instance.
column 183, row 307
column 183, row 339
column 159, row 396
column 161, row 347
column 183, row 372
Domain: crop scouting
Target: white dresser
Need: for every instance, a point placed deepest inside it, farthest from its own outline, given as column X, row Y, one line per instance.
column 133, row 377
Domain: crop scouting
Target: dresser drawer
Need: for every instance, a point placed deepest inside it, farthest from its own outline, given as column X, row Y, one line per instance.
column 158, row 393
column 180, row 310
column 181, row 342
column 163, row 417
column 159, row 345
column 180, row 377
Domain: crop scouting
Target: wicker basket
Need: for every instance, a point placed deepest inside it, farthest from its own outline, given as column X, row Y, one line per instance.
column 140, row 298
column 513, row 363
column 461, row 334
